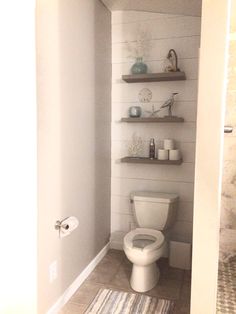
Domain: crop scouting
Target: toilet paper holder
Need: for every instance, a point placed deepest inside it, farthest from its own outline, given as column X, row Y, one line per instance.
column 60, row 225
column 66, row 226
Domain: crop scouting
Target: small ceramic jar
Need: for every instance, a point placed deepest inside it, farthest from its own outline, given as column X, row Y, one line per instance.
column 135, row 112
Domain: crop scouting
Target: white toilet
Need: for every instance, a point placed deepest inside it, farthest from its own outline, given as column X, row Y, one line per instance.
column 154, row 212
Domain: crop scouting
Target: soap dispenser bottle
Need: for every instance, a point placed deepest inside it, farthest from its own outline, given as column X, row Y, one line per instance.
column 152, row 149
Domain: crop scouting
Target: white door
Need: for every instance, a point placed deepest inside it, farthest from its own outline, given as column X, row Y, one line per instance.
column 209, row 154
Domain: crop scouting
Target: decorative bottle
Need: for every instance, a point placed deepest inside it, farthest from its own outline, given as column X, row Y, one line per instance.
column 152, row 149
column 139, row 67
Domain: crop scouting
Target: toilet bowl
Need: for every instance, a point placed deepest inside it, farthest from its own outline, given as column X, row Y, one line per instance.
column 143, row 247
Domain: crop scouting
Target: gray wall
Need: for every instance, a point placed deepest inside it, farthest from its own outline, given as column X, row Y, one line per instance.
column 74, row 71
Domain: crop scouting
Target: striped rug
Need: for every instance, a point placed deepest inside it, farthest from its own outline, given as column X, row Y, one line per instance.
column 116, row 302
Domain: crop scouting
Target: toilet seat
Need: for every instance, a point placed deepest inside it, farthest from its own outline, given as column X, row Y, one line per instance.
column 156, row 237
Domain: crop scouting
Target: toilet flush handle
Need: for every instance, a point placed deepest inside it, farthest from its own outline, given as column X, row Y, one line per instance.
column 228, row 129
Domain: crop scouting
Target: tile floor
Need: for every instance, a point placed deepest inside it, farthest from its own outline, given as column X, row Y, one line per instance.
column 226, row 294
column 114, row 272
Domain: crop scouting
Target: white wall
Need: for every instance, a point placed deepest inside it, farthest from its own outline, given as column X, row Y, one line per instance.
column 167, row 31
column 18, row 166
column 74, row 71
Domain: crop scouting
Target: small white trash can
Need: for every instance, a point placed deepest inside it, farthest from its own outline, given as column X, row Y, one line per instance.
column 180, row 254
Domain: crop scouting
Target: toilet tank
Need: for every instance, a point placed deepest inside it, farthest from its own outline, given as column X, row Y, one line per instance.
column 154, row 210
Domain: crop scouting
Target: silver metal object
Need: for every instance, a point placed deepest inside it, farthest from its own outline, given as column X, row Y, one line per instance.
column 60, row 225
column 228, row 129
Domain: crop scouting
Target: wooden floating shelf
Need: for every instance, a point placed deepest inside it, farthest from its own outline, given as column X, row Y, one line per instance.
column 145, row 160
column 154, row 77
column 172, row 119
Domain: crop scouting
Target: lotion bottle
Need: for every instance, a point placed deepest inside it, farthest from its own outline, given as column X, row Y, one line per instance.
column 152, row 149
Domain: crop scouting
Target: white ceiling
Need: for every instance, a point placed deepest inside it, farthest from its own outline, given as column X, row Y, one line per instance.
column 185, row 7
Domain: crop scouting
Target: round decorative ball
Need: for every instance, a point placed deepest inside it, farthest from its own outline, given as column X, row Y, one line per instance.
column 135, row 112
column 145, row 95
column 139, row 68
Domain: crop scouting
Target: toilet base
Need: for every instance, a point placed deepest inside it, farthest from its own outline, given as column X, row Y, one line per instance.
column 144, row 278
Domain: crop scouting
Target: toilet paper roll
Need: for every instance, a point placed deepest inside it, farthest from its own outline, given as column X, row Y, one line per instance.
column 169, row 144
column 174, row 154
column 163, row 154
column 68, row 225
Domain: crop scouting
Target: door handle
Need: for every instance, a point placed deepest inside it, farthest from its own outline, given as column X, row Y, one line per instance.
column 228, row 129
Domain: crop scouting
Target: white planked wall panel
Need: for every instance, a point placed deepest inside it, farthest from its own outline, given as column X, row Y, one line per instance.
column 162, row 27
column 166, row 31
column 185, row 133
column 124, row 186
column 121, row 17
column 186, row 46
column 129, row 92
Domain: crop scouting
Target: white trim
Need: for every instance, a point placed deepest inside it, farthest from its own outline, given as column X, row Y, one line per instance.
column 209, row 154
column 78, row 281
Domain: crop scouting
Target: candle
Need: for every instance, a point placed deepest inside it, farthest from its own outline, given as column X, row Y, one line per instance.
column 163, row 154
column 169, row 144
column 174, row 154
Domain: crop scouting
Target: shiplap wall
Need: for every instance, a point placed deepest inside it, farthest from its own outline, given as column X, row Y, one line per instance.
column 166, row 31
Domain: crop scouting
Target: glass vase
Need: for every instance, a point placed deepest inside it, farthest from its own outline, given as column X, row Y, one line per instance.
column 139, row 67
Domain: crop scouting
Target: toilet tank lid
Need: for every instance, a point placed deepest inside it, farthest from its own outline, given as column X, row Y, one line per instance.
column 153, row 197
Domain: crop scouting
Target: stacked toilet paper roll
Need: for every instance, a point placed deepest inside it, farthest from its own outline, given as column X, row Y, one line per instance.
column 169, row 152
column 169, row 144
column 174, row 154
column 163, row 154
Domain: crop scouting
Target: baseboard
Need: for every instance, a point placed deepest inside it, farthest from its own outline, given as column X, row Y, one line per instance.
column 78, row 282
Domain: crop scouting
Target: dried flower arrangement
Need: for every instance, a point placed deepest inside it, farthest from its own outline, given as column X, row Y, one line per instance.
column 135, row 148
column 140, row 47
